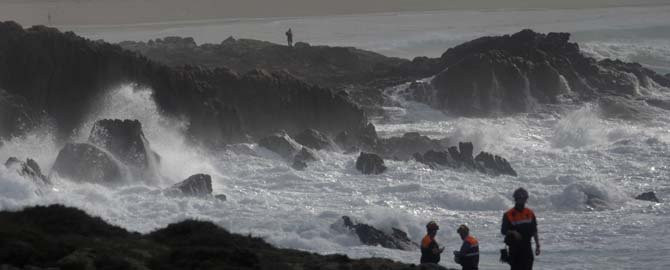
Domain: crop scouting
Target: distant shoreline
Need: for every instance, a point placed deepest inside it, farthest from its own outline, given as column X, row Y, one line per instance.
column 156, row 12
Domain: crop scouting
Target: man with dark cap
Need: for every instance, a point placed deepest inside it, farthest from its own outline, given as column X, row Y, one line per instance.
column 519, row 225
column 430, row 250
column 468, row 255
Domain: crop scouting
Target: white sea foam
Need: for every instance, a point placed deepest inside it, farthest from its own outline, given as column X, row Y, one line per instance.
column 562, row 157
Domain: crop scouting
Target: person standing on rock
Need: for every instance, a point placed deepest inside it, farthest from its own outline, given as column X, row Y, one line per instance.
column 519, row 225
column 468, row 255
column 289, row 37
column 430, row 250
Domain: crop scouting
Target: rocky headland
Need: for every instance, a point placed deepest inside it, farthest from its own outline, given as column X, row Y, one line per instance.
column 59, row 237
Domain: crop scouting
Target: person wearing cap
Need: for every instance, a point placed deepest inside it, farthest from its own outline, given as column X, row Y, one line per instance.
column 430, row 250
column 519, row 225
column 468, row 255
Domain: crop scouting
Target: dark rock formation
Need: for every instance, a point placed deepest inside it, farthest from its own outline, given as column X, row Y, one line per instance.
column 28, row 169
column 84, row 162
column 281, row 144
column 323, row 65
column 197, row 185
column 366, row 138
column 369, row 163
column 648, row 196
column 461, row 157
column 313, row 139
column 302, row 158
column 65, row 232
column 125, row 140
column 495, row 164
column 16, row 116
column 402, row 148
column 510, row 74
column 62, row 74
column 374, row 237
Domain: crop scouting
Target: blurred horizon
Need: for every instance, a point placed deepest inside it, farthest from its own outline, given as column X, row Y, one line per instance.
column 108, row 12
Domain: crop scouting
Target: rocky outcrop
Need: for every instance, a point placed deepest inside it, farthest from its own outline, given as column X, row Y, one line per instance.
column 125, row 140
column 648, row 196
column 402, row 148
column 82, row 162
column 514, row 73
column 334, row 67
column 16, row 116
column 71, row 239
column 281, row 144
column 313, row 139
column 461, row 157
column 303, row 157
column 198, row 185
column 28, row 169
column 62, row 74
column 369, row 163
column 494, row 164
column 372, row 236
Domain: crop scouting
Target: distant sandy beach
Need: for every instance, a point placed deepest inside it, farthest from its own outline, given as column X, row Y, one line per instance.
column 108, row 12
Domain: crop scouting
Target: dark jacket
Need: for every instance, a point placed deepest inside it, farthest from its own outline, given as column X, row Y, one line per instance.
column 428, row 246
column 468, row 256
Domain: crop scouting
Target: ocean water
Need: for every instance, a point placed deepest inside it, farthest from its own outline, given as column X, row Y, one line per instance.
column 563, row 155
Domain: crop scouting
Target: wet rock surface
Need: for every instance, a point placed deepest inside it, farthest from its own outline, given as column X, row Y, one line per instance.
column 83, row 162
column 125, row 140
column 461, row 157
column 368, row 163
column 372, row 236
column 28, row 169
column 514, row 73
column 72, row 239
column 648, row 196
column 63, row 74
column 197, row 185
column 313, row 139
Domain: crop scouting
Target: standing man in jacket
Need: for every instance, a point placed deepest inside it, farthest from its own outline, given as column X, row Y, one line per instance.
column 519, row 225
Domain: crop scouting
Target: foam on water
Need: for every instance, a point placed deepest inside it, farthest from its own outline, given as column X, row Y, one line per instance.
column 564, row 157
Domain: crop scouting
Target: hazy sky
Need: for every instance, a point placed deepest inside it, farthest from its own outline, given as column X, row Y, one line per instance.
column 85, row 12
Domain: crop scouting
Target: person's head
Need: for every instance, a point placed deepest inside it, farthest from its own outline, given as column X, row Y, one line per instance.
column 520, row 198
column 463, row 231
column 432, row 228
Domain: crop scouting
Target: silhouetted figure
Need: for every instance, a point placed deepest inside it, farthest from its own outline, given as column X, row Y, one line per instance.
column 289, row 37
column 430, row 250
column 468, row 255
column 519, row 225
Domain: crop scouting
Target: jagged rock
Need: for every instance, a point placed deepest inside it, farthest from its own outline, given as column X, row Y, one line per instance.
column 434, row 158
column 321, row 65
column 365, row 138
column 402, row 148
column 420, row 91
column 461, row 157
column 495, row 164
column 509, row 74
column 63, row 74
column 299, row 165
column 369, row 163
column 16, row 117
column 302, row 158
column 198, row 185
column 648, row 196
column 281, row 144
column 125, row 140
column 371, row 236
column 82, row 162
column 29, row 169
column 313, row 139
